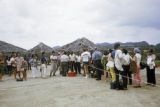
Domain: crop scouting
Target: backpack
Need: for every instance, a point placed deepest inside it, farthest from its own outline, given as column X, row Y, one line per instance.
column 113, row 54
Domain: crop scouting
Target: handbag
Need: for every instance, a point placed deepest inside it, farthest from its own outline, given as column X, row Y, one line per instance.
column 133, row 66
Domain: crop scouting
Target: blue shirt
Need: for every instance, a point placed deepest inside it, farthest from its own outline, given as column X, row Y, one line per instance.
column 97, row 55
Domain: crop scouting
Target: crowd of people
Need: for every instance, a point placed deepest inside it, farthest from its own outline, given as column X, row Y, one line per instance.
column 116, row 64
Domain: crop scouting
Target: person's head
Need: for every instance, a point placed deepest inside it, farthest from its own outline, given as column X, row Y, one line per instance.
column 25, row 58
column 151, row 51
column 53, row 52
column 13, row 54
column 65, row 53
column 105, row 52
column 137, row 50
column 125, row 51
column 18, row 54
column 110, row 50
column 33, row 55
column 95, row 48
column 85, row 49
column 78, row 53
column 117, row 46
column 43, row 53
column 71, row 52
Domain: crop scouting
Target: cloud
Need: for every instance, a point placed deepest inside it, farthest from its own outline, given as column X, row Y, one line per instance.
column 57, row 22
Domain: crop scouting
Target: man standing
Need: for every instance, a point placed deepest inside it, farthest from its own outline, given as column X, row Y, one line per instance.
column 151, row 78
column 43, row 65
column 13, row 63
column 96, row 59
column 118, row 63
column 72, row 58
column 85, row 59
column 78, row 64
column 64, row 63
column 19, row 61
column 54, row 64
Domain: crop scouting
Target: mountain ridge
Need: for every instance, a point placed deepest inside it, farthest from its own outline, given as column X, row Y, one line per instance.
column 7, row 47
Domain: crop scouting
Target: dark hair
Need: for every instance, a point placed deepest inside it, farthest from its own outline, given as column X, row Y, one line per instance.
column 125, row 51
column 17, row 53
column 85, row 49
column 110, row 50
column 33, row 55
column 71, row 52
column 116, row 45
column 53, row 52
column 106, row 52
column 43, row 53
column 151, row 51
column 64, row 52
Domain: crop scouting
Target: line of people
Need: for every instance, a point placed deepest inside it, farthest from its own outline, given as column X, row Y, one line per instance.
column 121, row 66
column 117, row 62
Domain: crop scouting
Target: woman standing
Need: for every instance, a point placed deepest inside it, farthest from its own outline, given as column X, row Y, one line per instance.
column 9, row 66
column 137, row 75
column 19, row 61
column 33, row 62
column 110, row 67
column 104, row 61
column 78, row 64
column 126, row 67
column 151, row 80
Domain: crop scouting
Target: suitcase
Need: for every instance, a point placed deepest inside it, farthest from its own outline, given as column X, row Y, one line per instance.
column 71, row 74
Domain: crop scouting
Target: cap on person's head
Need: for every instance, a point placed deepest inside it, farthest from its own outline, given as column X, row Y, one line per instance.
column 116, row 45
column 137, row 50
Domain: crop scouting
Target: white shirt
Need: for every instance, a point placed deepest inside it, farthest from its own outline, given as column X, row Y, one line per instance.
column 138, row 58
column 150, row 61
column 110, row 63
column 72, row 57
column 118, row 60
column 126, row 59
column 85, row 56
column 78, row 58
column 9, row 62
column 64, row 58
column 52, row 58
column 13, row 61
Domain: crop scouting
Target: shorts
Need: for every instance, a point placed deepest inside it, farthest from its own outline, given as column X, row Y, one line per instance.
column 18, row 68
column 85, row 63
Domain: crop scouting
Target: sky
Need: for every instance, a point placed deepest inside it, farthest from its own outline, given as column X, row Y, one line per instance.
column 26, row 23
